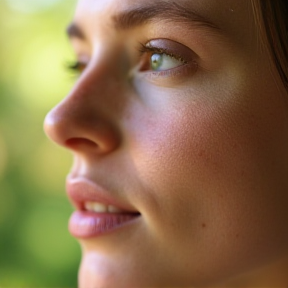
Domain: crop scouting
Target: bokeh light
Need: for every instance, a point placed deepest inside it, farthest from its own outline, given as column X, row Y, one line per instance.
column 42, row 64
column 31, row 6
column 3, row 156
column 36, row 249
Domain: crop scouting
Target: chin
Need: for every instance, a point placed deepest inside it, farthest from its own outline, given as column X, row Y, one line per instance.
column 96, row 271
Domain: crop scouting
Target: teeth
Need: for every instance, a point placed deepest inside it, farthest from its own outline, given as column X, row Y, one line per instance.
column 113, row 209
column 101, row 208
column 96, row 207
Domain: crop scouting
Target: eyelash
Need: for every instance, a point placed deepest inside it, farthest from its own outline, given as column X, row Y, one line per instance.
column 185, row 69
column 78, row 67
column 152, row 50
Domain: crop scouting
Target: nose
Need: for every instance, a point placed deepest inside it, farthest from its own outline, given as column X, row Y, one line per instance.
column 86, row 120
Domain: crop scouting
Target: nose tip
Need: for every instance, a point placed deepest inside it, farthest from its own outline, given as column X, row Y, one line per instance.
column 80, row 130
column 55, row 128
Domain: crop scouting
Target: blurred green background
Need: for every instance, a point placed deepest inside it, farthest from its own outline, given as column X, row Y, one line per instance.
column 36, row 249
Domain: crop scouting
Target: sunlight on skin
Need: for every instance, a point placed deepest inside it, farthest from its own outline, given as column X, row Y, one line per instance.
column 198, row 150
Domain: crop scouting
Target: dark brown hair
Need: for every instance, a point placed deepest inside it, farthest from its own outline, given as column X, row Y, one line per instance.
column 272, row 19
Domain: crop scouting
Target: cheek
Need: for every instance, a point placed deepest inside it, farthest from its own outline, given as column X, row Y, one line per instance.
column 212, row 169
column 240, row 143
column 194, row 143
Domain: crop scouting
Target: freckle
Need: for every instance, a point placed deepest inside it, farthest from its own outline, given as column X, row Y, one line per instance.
column 235, row 146
column 203, row 225
column 201, row 153
column 237, row 235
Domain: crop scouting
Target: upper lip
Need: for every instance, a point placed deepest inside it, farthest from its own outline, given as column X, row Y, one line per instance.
column 81, row 190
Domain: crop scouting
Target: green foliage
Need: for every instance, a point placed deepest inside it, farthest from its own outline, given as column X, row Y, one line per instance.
column 36, row 249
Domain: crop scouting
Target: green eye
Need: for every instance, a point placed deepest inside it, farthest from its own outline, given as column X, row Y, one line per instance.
column 156, row 61
column 163, row 61
column 161, row 58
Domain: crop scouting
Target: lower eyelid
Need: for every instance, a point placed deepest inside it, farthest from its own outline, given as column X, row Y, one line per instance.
column 185, row 70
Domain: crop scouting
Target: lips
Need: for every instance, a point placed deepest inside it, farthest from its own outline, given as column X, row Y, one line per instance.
column 97, row 213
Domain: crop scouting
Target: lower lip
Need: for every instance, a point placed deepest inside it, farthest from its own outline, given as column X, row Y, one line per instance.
column 85, row 224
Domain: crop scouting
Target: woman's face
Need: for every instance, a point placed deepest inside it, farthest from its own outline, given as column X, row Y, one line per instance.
column 181, row 124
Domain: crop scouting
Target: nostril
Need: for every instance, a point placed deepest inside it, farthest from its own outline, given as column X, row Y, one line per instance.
column 79, row 131
column 76, row 143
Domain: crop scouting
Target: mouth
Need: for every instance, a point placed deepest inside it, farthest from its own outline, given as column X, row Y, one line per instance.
column 96, row 212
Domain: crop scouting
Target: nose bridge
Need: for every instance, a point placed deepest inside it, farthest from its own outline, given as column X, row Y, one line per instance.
column 88, row 118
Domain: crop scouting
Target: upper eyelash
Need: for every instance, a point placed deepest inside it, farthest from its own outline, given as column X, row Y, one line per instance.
column 151, row 49
column 74, row 66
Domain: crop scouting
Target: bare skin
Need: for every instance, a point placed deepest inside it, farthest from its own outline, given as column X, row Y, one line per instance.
column 193, row 135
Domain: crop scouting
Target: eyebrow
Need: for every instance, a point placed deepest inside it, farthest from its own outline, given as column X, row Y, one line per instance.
column 161, row 10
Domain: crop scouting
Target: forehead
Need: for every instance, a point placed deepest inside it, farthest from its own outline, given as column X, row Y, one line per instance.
column 229, row 15
column 101, row 5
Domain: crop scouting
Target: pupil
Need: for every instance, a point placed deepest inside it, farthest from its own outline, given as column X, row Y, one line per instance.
column 156, row 61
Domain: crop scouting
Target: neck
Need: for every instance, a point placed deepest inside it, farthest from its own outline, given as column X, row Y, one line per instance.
column 273, row 275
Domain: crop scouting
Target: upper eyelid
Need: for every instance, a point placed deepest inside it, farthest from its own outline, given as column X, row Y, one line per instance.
column 173, row 48
column 152, row 49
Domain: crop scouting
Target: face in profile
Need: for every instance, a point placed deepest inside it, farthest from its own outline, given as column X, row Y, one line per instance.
column 178, row 124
